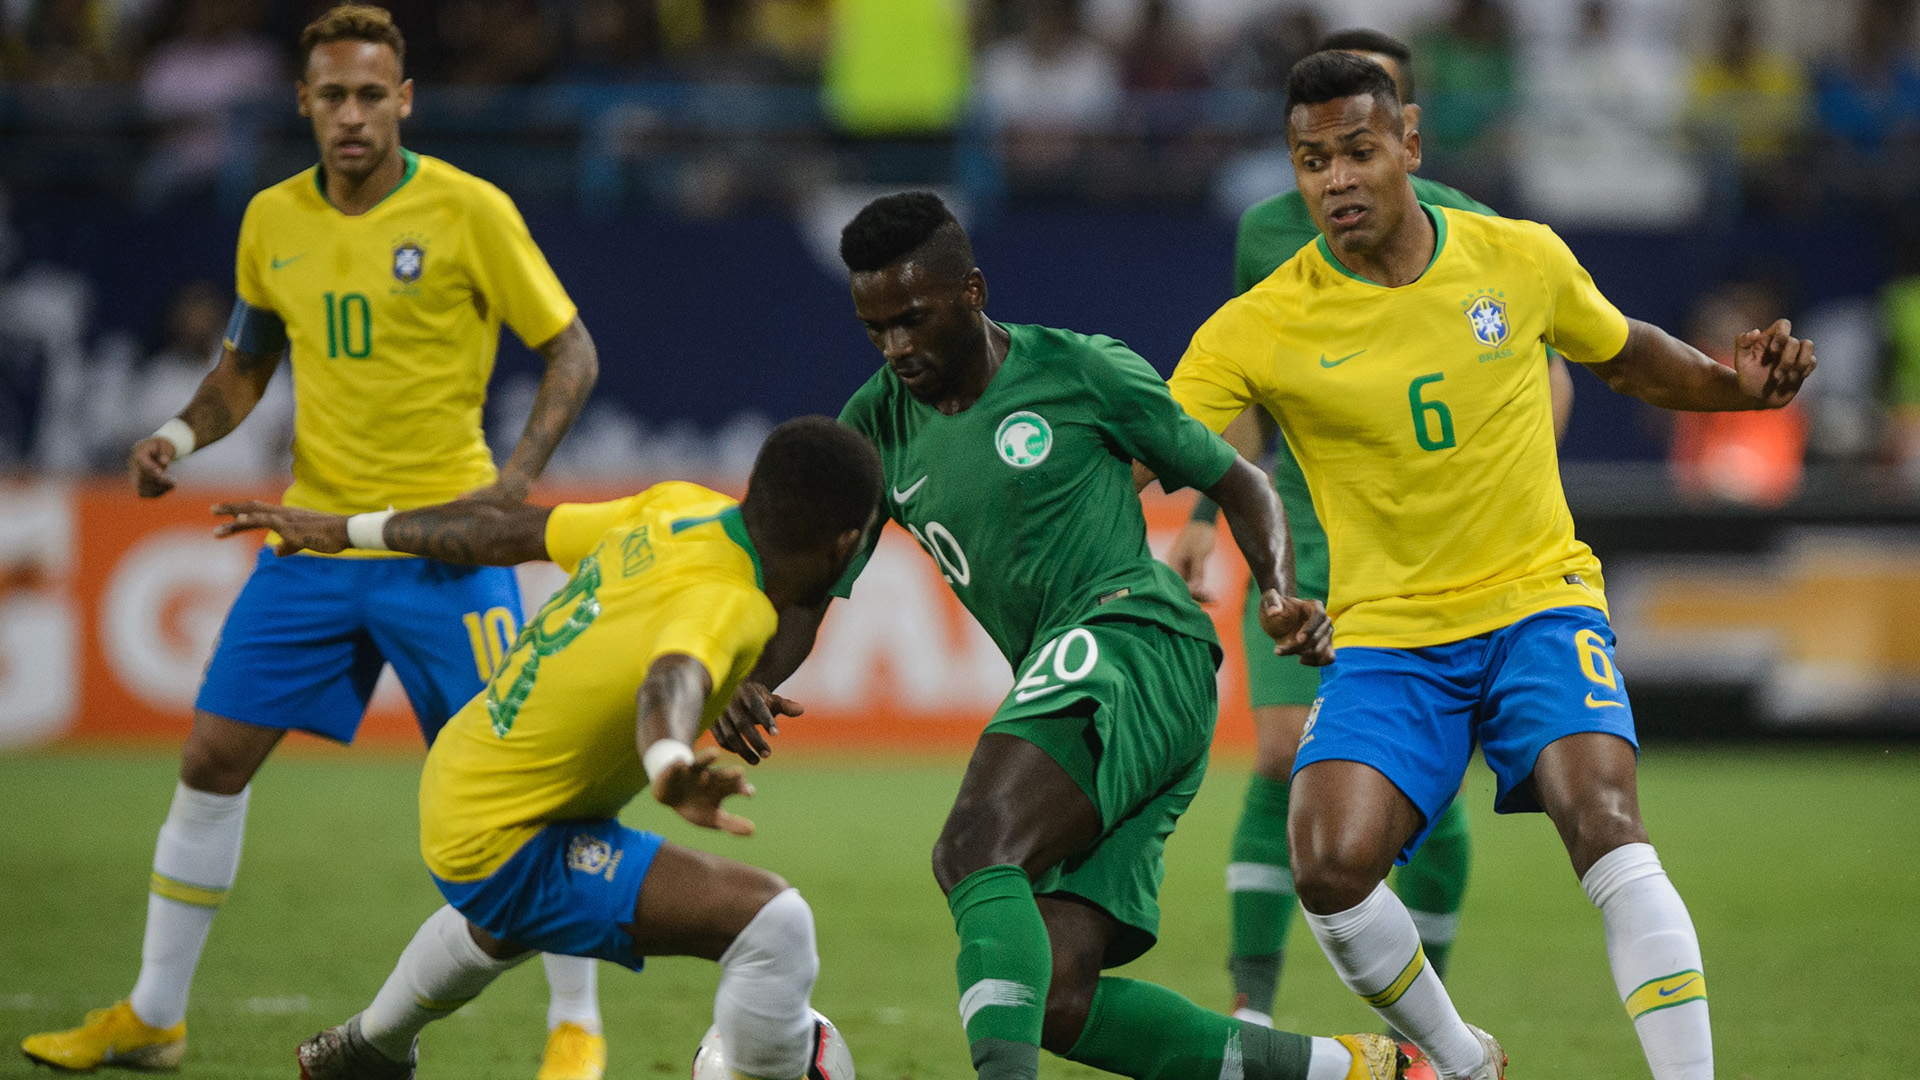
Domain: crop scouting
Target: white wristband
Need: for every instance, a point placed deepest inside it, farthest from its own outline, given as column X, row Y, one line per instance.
column 368, row 532
column 177, row 432
column 663, row 755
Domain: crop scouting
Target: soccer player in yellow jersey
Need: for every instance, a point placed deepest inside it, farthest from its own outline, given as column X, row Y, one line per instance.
column 1402, row 354
column 386, row 276
column 673, row 595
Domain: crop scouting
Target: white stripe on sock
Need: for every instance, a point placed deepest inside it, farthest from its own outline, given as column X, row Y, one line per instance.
column 1233, row 1062
column 993, row 992
column 1435, row 927
column 1259, row 877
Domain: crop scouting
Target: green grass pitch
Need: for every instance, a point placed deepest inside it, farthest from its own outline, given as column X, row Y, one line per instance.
column 1801, row 867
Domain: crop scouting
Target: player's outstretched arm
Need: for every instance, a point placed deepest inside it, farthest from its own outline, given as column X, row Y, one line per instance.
column 573, row 365
column 671, row 700
column 1298, row 627
column 755, row 707
column 466, row 531
column 1769, row 367
column 225, row 397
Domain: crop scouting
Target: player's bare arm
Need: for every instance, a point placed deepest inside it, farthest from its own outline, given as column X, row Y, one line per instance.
column 755, row 707
column 1769, row 367
column 225, row 397
column 468, row 531
column 1298, row 627
column 1247, row 434
column 671, row 700
column 573, row 365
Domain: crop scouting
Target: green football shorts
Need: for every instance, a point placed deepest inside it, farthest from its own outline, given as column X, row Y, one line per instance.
column 1127, row 709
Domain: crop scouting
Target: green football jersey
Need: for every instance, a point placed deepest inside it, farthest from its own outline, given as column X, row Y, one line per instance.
column 1271, row 232
column 1026, row 502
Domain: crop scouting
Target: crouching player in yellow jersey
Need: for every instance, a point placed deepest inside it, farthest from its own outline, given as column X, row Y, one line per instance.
column 386, row 277
column 673, row 594
column 1464, row 609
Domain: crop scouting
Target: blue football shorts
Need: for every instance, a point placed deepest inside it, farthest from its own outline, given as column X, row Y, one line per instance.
column 1416, row 714
column 304, row 643
column 571, row 889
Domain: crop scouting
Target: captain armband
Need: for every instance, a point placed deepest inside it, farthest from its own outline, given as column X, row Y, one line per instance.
column 255, row 331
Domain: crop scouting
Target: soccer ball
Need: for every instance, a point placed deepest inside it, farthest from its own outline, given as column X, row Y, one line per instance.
column 827, row 1056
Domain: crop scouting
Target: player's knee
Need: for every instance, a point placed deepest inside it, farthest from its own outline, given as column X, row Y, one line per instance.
column 766, row 978
column 207, row 766
column 1331, row 877
column 1601, row 826
column 1069, row 1003
column 964, row 847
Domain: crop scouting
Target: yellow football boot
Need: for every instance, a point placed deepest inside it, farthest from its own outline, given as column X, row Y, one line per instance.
column 573, row 1053
column 110, row 1036
column 1375, row 1057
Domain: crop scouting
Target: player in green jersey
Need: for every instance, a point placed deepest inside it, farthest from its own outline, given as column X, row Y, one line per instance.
column 1008, row 452
column 1259, row 881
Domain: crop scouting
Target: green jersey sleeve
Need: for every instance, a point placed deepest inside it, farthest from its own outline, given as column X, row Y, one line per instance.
column 1147, row 425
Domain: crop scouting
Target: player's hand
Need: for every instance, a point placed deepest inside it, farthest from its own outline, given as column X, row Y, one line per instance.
column 1188, row 557
column 147, row 465
column 1772, row 364
column 1298, row 627
column 695, row 790
column 299, row 528
column 753, row 707
column 507, row 488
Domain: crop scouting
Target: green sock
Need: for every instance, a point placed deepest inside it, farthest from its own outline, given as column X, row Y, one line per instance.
column 1434, row 882
column 1260, row 891
column 1149, row 1032
column 1004, row 967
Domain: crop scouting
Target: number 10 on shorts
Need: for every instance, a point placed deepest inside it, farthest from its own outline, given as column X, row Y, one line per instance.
column 1074, row 655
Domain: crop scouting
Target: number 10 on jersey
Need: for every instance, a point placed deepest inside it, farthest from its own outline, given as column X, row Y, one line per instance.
column 349, row 326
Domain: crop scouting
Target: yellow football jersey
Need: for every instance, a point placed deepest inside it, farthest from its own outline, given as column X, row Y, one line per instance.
column 1421, row 418
column 553, row 736
column 393, row 318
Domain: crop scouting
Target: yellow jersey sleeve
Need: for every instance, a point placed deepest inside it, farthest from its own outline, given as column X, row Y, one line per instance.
column 573, row 529
column 1215, row 379
column 1582, row 325
column 514, row 276
column 722, row 625
column 246, row 261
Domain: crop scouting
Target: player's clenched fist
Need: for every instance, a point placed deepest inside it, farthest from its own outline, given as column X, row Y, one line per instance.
column 1298, row 627
column 300, row 529
column 1772, row 363
column 695, row 790
column 147, row 464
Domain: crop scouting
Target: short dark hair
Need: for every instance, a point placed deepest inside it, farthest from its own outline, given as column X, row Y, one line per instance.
column 353, row 22
column 1359, row 39
column 814, row 479
column 1330, row 75
column 909, row 225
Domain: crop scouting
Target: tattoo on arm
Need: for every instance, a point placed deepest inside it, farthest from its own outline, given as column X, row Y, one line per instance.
column 228, row 393
column 472, row 533
column 572, row 367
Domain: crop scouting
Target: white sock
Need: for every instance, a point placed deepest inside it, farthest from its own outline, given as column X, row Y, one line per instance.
column 1655, row 956
column 766, row 978
column 1330, row 1060
column 1436, row 928
column 194, row 864
column 1376, row 952
column 440, row 970
column 573, row 991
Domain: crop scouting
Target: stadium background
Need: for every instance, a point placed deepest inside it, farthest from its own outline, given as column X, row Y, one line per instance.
column 685, row 165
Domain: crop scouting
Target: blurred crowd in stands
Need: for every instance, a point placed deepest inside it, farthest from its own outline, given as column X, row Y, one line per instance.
column 1658, row 115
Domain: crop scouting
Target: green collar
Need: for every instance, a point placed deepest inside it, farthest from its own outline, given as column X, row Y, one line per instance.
column 413, row 166
column 736, row 529
column 1439, row 243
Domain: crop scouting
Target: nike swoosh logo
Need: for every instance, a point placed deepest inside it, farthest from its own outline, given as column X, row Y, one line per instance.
column 1324, row 362
column 1597, row 703
column 900, row 496
column 1682, row 986
column 279, row 262
column 1025, row 696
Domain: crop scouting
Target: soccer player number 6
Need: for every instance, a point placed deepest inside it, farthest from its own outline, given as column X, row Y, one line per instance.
column 1428, row 441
